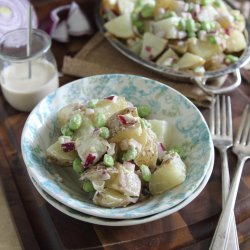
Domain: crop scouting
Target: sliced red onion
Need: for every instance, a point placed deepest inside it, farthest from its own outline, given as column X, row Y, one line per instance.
column 127, row 119
column 14, row 15
column 111, row 98
column 161, row 150
column 61, row 32
column 68, row 146
column 78, row 23
column 90, row 159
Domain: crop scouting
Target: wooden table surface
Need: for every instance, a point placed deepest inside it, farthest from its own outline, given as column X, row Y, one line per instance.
column 41, row 226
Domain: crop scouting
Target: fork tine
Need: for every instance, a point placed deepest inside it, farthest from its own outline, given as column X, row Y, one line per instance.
column 212, row 116
column 242, row 124
column 229, row 117
column 217, row 110
column 224, row 116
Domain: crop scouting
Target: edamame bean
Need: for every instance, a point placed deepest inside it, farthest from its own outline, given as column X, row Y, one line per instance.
column 100, row 120
column 144, row 111
column 130, row 154
column 190, row 25
column 104, row 132
column 206, row 26
column 65, row 130
column 232, row 58
column 75, row 122
column 182, row 24
column 92, row 103
column 87, row 186
column 205, row 2
column 212, row 39
column 145, row 172
column 147, row 11
column 77, row 165
column 108, row 160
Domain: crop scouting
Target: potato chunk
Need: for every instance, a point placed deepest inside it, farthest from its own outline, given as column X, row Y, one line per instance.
column 189, row 61
column 112, row 198
column 125, row 125
column 236, row 42
column 171, row 173
column 56, row 155
column 149, row 153
column 120, row 26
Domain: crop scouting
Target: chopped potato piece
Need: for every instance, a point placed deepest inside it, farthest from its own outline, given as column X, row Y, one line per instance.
column 112, row 198
column 121, row 129
column 163, row 131
column 189, row 61
column 171, row 173
column 120, row 26
column 167, row 58
column 149, row 153
column 56, row 155
column 204, row 49
column 236, row 42
column 152, row 46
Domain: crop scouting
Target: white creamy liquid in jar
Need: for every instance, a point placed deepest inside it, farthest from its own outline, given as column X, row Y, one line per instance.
column 22, row 92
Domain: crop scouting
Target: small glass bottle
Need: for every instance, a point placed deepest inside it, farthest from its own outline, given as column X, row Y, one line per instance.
column 26, row 80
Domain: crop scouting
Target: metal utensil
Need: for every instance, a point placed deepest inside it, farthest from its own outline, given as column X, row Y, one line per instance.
column 242, row 149
column 29, row 40
column 222, row 135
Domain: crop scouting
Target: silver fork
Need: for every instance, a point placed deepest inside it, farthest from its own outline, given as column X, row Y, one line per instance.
column 242, row 149
column 222, row 135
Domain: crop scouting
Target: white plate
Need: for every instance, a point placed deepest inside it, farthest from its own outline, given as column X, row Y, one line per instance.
column 190, row 129
column 109, row 222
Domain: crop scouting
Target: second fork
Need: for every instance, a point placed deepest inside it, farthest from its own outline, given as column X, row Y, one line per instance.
column 222, row 134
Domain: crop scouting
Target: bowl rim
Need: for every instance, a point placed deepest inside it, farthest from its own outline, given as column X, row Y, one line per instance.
column 99, row 212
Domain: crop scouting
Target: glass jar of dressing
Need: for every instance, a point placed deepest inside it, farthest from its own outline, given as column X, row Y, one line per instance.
column 27, row 79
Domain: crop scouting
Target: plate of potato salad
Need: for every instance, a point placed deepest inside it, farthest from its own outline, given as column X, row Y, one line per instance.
column 117, row 146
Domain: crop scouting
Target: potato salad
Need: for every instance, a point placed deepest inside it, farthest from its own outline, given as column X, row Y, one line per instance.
column 120, row 156
column 192, row 35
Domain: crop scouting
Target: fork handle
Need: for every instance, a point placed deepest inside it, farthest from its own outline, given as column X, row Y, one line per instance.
column 222, row 230
column 232, row 241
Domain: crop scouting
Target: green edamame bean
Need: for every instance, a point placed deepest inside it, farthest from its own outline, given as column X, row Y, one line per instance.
column 77, row 165
column 145, row 172
column 65, row 130
column 108, row 160
column 147, row 11
column 75, row 122
column 130, row 154
column 87, row 186
column 92, row 103
column 104, row 132
column 144, row 111
column 100, row 120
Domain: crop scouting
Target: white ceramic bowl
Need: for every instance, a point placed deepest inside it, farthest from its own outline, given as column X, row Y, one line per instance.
column 61, row 183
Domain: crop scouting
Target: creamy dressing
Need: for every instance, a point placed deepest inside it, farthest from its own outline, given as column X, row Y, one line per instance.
column 24, row 93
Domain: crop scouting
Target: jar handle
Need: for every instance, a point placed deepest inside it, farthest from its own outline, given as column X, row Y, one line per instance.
column 201, row 82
